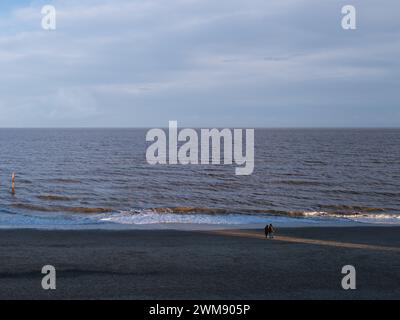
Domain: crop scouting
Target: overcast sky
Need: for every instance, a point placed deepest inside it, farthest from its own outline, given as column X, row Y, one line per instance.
column 204, row 63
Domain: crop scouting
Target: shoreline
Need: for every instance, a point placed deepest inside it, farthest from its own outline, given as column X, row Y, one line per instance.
column 301, row 263
column 199, row 226
column 185, row 227
column 195, row 226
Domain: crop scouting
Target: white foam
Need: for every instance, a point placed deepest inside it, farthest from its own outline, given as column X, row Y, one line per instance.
column 380, row 218
column 143, row 217
column 148, row 217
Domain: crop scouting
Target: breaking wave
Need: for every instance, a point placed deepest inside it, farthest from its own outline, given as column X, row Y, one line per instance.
column 151, row 217
column 195, row 215
column 209, row 216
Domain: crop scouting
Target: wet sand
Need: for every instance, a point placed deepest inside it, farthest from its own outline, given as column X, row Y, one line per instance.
column 301, row 263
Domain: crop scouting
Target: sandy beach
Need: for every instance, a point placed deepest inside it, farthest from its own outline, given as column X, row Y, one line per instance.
column 301, row 263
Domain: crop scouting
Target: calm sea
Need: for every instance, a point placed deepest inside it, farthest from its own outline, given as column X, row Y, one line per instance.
column 100, row 176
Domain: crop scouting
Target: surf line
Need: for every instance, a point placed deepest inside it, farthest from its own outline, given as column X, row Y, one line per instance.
column 209, row 152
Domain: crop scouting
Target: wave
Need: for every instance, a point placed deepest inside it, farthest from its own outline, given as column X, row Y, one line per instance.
column 218, row 211
column 207, row 215
column 150, row 218
column 373, row 218
column 327, row 210
column 48, row 197
column 339, row 210
column 354, row 208
column 86, row 210
column 196, row 215
column 351, row 215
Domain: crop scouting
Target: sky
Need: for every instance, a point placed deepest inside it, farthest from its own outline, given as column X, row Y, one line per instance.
column 204, row 63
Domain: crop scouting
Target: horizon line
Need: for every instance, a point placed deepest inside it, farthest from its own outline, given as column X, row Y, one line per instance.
column 210, row 127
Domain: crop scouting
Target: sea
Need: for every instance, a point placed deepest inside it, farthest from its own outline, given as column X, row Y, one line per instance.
column 100, row 177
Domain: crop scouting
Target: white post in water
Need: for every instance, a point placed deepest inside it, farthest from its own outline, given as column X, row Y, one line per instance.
column 13, row 183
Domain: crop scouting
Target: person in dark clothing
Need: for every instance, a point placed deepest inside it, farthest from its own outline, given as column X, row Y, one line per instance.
column 266, row 231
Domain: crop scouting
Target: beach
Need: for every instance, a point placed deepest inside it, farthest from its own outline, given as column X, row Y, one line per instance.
column 300, row 263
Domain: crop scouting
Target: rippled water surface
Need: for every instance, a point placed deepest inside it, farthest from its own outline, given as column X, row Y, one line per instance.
column 94, row 175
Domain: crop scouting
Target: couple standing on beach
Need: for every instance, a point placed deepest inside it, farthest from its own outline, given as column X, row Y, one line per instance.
column 269, row 231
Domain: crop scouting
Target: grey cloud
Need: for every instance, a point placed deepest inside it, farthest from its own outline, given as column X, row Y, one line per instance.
column 203, row 63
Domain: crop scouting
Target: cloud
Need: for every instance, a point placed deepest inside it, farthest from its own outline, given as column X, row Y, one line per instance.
column 201, row 62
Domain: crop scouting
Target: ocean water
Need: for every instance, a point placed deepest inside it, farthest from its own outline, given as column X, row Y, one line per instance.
column 77, row 177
